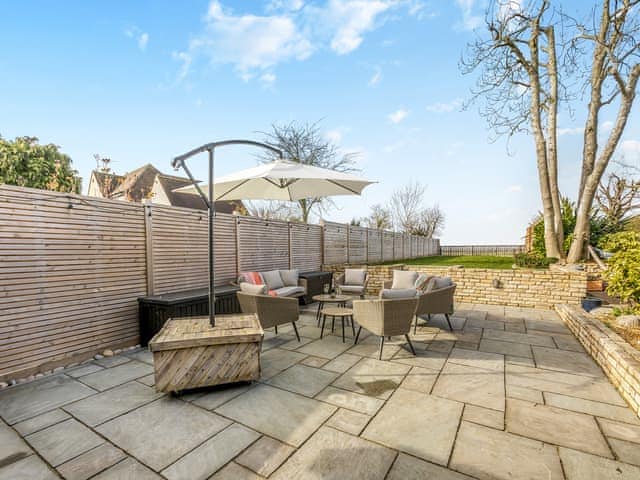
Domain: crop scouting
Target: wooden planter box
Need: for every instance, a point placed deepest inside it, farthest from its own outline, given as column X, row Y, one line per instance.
column 188, row 353
column 595, row 285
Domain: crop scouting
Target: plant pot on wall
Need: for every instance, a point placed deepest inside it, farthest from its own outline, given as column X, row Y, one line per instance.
column 589, row 303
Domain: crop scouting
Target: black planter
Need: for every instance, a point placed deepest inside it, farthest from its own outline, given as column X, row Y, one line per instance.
column 590, row 303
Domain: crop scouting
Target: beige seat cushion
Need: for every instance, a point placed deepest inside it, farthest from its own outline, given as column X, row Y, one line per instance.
column 253, row 289
column 398, row 293
column 403, row 279
column 354, row 276
column 288, row 291
column 359, row 289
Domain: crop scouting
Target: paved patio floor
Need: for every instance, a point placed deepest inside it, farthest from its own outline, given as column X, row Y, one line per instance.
column 509, row 394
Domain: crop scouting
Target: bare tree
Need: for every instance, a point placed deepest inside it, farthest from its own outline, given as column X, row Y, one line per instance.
column 272, row 210
column 406, row 205
column 379, row 218
column 526, row 73
column 431, row 222
column 617, row 197
column 305, row 143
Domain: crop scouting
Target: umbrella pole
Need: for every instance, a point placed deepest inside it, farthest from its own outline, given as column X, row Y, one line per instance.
column 212, row 273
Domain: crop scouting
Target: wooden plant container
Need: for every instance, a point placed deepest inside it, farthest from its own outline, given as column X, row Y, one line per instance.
column 595, row 285
column 188, row 353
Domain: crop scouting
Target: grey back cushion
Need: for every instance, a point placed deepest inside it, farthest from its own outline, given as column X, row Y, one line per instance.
column 253, row 289
column 354, row 276
column 404, row 279
column 398, row 293
column 441, row 282
column 289, row 277
column 272, row 279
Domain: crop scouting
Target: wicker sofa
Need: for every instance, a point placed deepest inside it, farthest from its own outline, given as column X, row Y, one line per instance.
column 279, row 283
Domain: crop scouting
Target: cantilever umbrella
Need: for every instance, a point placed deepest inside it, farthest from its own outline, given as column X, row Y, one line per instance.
column 283, row 180
column 277, row 180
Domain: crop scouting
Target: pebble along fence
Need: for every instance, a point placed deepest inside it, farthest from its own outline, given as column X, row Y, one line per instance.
column 72, row 266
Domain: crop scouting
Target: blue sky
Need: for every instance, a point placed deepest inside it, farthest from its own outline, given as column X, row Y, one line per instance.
column 144, row 81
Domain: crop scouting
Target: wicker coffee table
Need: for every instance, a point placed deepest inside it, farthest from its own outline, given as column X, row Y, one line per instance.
column 338, row 300
column 337, row 312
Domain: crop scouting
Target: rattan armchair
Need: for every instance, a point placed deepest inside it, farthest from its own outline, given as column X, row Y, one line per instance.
column 271, row 311
column 346, row 288
column 436, row 301
column 385, row 318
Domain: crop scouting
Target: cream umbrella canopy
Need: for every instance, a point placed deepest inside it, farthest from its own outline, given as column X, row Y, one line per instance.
column 283, row 180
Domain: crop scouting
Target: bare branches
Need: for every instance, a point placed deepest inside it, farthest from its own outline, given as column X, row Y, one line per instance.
column 617, row 197
column 410, row 214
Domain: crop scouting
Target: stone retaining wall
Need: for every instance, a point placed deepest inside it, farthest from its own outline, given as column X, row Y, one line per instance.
column 619, row 360
column 518, row 287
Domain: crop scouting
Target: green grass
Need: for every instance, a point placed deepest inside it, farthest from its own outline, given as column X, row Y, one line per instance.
column 476, row 261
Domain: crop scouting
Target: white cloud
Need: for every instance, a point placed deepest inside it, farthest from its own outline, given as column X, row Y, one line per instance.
column 606, row 126
column 186, row 60
column 630, row 150
column 514, row 188
column 376, row 77
column 267, row 79
column 440, row 107
column 334, row 136
column 398, row 116
column 288, row 5
column 470, row 19
column 141, row 38
column 570, row 131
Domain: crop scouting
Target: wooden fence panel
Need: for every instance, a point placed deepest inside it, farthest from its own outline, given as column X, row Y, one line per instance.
column 71, row 269
column 262, row 244
column 491, row 250
column 357, row 244
column 306, row 246
column 335, row 243
column 398, row 246
column 374, row 246
column 388, row 252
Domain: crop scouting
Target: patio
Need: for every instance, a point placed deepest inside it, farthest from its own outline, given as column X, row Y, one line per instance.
column 509, row 394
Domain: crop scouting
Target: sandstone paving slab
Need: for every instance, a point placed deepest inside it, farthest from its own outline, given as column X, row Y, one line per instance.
column 554, row 326
column 82, row 370
column 294, row 343
column 418, row 424
column 315, row 362
column 92, row 462
column 626, row 452
column 515, row 327
column 423, row 359
column 583, row 466
column 276, row 360
column 29, row 468
column 566, row 361
column 114, row 361
column 41, row 421
column 441, row 345
column 373, row 377
column 622, row 431
column 144, row 356
column 111, row 403
column 506, row 348
column 219, row 395
column 286, row 416
column 233, row 471
column 304, row 380
column 370, row 347
column 12, row 447
column 489, row 454
column 484, row 323
column 526, row 394
column 334, row 455
column 477, row 386
column 342, row 363
column 484, row 416
column 274, row 341
column 527, row 338
column 485, row 360
column 350, row 400
column 568, row 342
column 556, row 426
column 212, row 455
column 111, row 377
column 420, row 380
column 265, row 456
column 581, row 386
column 24, row 401
column 598, row 409
column 162, row 431
column 513, row 360
column 128, row 469
column 328, row 347
column 407, row 467
column 63, row 441
column 439, row 321
column 348, row 421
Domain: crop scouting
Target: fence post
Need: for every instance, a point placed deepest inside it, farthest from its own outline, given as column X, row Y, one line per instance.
column 290, row 246
column 148, row 231
column 238, row 263
column 348, row 243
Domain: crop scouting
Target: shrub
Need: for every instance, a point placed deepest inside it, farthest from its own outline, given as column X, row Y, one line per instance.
column 623, row 268
column 533, row 260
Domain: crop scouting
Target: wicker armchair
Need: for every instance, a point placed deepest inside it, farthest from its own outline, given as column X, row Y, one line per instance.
column 271, row 311
column 436, row 301
column 358, row 289
column 385, row 318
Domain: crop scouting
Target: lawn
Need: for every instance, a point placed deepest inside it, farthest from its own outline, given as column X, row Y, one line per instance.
column 476, row 261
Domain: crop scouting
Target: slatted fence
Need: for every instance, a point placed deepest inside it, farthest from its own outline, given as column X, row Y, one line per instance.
column 491, row 250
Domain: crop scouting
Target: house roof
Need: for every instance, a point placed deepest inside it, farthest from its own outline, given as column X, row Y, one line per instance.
column 107, row 182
